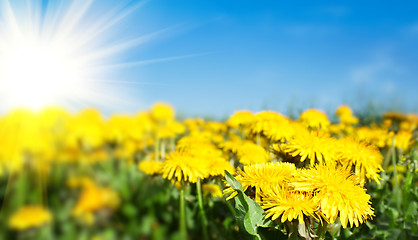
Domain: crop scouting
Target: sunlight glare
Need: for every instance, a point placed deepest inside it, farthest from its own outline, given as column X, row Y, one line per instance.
column 36, row 74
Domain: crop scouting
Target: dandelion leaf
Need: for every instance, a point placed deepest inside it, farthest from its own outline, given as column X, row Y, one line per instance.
column 249, row 214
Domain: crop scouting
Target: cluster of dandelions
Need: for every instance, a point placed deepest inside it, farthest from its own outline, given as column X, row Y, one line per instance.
column 317, row 170
column 299, row 171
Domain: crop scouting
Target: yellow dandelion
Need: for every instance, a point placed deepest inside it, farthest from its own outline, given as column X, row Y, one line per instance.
column 289, row 205
column 150, row 167
column 365, row 159
column 212, row 189
column 215, row 127
column 279, row 130
column 374, row 135
column 402, row 139
column 232, row 145
column 182, row 165
column 240, row 118
column 251, row 153
column 337, row 191
column 315, row 146
column 395, row 116
column 171, row 129
column 31, row 216
column 344, row 110
column 194, row 124
column 315, row 119
column 94, row 198
column 345, row 114
column 216, row 166
column 273, row 125
column 79, row 181
column 162, row 112
column 263, row 177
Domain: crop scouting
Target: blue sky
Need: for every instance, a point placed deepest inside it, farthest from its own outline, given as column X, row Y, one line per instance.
column 213, row 57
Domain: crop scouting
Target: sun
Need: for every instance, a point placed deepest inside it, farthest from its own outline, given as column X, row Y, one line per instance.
column 67, row 53
column 34, row 74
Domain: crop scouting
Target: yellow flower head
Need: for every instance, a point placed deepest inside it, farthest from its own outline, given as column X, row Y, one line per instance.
column 343, row 110
column 118, row 127
column 337, row 192
column 194, row 124
column 87, row 127
column 289, row 205
column 314, row 119
column 240, row 118
column 403, row 139
column 150, row 167
column 162, row 112
column 171, row 129
column 376, row 136
column 30, row 217
column 94, row 198
column 366, row 159
column 215, row 127
column 345, row 114
column 212, row 189
column 232, row 145
column 395, row 116
column 315, row 146
column 267, row 122
column 251, row 153
column 79, row 181
column 182, row 165
column 280, row 129
column 264, row 177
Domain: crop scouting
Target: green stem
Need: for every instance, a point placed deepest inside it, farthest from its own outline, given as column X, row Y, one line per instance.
column 157, row 146
column 163, row 148
column 258, row 139
column 172, row 144
column 321, row 230
column 386, row 160
column 202, row 210
column 395, row 175
column 183, row 230
column 231, row 208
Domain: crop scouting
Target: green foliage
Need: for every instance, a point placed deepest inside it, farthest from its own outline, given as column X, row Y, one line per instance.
column 249, row 214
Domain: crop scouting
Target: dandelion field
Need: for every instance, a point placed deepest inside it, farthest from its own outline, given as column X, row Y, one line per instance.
column 254, row 176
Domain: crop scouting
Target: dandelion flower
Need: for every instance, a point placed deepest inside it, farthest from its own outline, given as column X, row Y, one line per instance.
column 366, row 159
column 273, row 125
column 182, row 165
column 162, row 112
column 345, row 114
column 374, row 135
column 29, row 217
column 212, row 189
column 337, row 192
column 240, row 118
column 150, row 167
column 264, row 177
column 251, row 153
column 289, row 205
column 94, row 198
column 315, row 146
column 403, row 139
column 314, row 119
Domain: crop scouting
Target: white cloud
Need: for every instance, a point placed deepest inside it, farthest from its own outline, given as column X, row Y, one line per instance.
column 377, row 70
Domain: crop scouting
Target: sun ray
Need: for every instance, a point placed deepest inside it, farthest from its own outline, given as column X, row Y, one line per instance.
column 55, row 52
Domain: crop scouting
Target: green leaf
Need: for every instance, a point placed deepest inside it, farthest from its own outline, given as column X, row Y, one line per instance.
column 249, row 214
column 237, row 186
